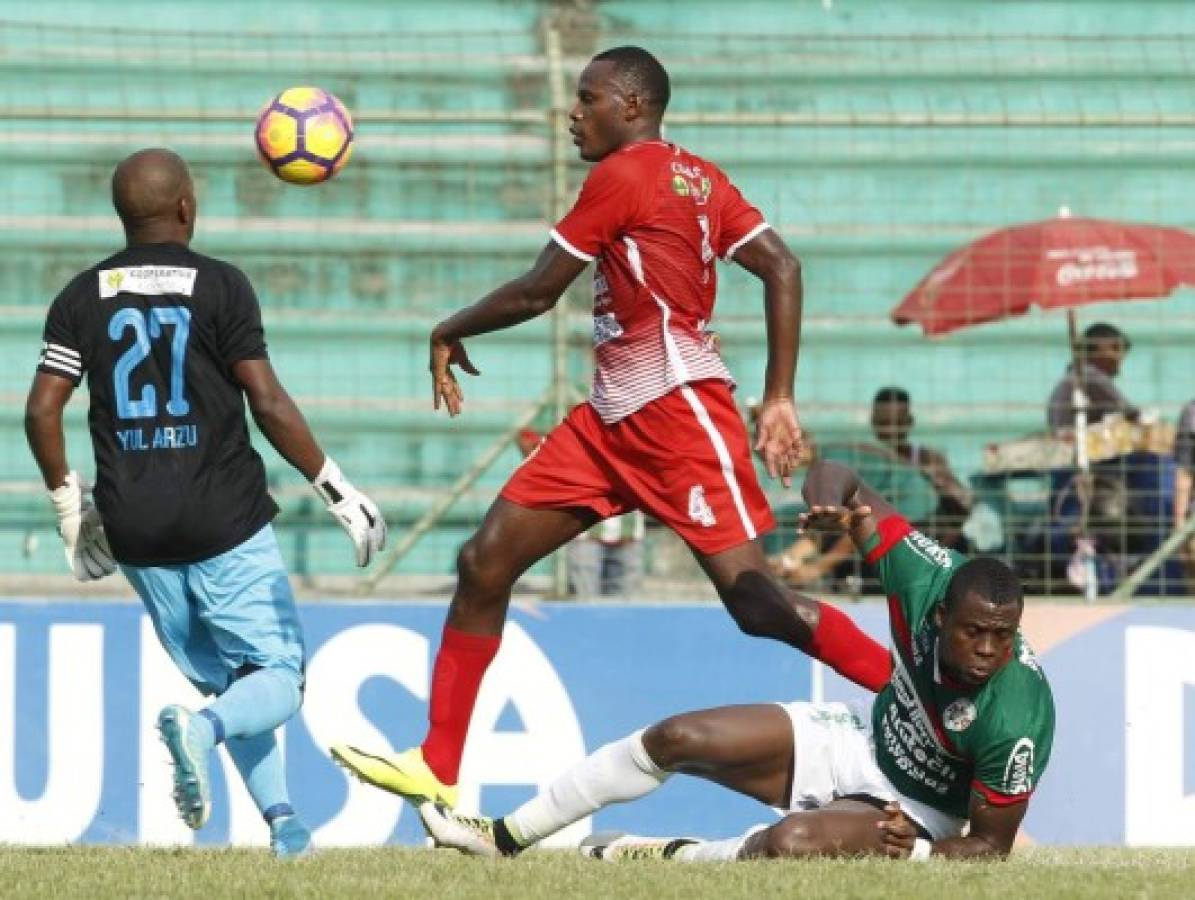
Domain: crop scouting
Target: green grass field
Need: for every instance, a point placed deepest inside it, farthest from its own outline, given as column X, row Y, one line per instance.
column 103, row 872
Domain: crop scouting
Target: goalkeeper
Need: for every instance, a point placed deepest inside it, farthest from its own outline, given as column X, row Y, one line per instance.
column 172, row 346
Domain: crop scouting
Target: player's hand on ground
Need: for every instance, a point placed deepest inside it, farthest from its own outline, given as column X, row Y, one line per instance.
column 778, row 438
column 357, row 514
column 87, row 551
column 897, row 832
column 833, row 519
column 445, row 388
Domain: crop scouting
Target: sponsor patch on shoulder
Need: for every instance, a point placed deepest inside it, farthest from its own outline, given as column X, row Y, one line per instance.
column 152, row 281
column 1028, row 658
column 929, row 549
column 1018, row 771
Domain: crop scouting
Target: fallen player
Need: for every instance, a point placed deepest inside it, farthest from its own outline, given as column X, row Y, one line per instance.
column 958, row 737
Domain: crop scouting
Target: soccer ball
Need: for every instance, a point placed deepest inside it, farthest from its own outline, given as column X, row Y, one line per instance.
column 304, row 135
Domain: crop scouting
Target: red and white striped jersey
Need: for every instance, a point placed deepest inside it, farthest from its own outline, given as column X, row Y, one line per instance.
column 654, row 216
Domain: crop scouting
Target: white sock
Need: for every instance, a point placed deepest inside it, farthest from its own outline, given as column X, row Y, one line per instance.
column 615, row 773
column 716, row 851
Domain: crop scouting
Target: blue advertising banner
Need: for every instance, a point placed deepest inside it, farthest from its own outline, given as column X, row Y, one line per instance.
column 81, row 685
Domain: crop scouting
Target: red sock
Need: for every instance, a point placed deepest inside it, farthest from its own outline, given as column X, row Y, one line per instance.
column 456, row 678
column 840, row 644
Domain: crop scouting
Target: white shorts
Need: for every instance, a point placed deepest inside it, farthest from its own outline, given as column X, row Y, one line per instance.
column 834, row 757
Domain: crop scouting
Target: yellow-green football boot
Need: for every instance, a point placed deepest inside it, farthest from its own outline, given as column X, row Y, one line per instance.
column 405, row 774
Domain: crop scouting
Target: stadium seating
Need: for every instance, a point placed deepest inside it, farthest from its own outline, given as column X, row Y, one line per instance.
column 873, row 154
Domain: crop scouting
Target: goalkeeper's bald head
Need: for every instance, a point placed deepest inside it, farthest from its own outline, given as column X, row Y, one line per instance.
column 154, row 196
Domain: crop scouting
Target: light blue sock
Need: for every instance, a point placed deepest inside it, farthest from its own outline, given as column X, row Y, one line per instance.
column 255, row 704
column 260, row 763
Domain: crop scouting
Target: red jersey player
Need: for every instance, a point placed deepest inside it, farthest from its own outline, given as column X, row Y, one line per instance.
column 660, row 432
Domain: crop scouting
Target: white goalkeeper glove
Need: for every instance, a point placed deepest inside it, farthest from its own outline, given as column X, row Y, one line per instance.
column 87, row 550
column 357, row 514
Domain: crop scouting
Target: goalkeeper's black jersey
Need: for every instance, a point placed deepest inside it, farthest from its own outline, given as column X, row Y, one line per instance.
column 156, row 329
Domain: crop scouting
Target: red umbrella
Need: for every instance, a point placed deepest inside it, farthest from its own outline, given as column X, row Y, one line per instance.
column 1061, row 262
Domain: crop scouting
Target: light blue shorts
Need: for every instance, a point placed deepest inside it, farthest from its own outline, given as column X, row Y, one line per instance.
column 216, row 616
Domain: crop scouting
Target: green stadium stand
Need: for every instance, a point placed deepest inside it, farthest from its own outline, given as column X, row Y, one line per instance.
column 875, row 136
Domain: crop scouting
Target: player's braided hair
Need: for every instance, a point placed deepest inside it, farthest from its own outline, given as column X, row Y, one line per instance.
column 641, row 72
column 989, row 578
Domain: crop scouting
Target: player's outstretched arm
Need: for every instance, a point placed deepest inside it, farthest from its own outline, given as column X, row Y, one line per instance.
column 778, row 430
column 87, row 550
column 285, row 428
column 840, row 501
column 531, row 294
column 992, row 831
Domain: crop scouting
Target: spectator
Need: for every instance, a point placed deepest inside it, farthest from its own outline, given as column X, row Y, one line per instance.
column 1184, row 476
column 607, row 560
column 1103, row 349
column 891, row 423
column 809, row 558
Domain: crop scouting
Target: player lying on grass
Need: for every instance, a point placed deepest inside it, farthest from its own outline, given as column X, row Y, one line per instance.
column 172, row 346
column 960, row 735
column 660, row 432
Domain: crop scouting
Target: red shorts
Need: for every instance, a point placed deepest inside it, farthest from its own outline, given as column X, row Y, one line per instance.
column 684, row 459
